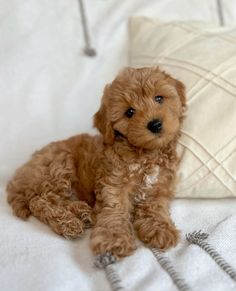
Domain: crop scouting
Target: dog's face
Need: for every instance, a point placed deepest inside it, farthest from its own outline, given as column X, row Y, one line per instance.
column 144, row 105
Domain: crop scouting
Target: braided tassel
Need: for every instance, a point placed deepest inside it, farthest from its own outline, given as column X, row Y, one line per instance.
column 168, row 267
column 198, row 238
column 88, row 50
column 220, row 12
column 105, row 262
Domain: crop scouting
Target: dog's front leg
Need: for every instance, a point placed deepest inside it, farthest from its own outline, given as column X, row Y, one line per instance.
column 153, row 223
column 113, row 231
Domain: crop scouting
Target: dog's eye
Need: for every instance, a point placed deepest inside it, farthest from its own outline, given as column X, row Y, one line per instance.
column 130, row 112
column 159, row 99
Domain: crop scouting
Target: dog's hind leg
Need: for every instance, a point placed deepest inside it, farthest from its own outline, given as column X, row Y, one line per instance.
column 61, row 220
column 43, row 187
column 19, row 204
column 81, row 210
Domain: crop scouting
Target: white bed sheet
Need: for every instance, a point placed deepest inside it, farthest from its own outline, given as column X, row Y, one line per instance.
column 49, row 90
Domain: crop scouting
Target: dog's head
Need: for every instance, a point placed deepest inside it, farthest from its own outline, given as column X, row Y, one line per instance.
column 143, row 105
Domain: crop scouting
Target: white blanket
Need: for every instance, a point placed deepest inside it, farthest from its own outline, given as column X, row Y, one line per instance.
column 34, row 258
column 49, row 90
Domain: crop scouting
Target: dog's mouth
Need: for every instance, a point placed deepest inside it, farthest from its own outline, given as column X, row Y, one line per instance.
column 119, row 135
column 149, row 144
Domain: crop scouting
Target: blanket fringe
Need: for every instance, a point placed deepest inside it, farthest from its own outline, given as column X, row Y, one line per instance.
column 169, row 268
column 198, row 238
column 105, row 262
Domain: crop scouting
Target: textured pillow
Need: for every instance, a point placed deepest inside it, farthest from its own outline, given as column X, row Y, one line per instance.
column 204, row 58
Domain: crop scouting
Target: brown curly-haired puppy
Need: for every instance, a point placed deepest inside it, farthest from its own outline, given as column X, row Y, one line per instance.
column 128, row 171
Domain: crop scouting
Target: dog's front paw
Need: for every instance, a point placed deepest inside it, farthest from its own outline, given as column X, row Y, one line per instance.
column 158, row 234
column 119, row 244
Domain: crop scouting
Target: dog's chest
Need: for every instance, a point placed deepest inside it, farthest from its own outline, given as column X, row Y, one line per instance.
column 144, row 176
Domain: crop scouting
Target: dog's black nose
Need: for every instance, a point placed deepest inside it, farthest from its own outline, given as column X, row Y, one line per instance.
column 155, row 126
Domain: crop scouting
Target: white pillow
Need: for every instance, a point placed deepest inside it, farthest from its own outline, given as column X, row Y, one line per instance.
column 203, row 57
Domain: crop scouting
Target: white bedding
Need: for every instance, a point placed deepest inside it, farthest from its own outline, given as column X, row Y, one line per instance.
column 34, row 258
column 49, row 90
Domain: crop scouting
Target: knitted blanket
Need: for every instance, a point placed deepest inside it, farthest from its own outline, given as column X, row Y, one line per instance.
column 208, row 258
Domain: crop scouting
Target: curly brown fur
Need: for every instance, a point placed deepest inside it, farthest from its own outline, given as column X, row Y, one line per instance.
column 128, row 171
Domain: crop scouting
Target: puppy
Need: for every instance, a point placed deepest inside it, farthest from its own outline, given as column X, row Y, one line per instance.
column 121, row 180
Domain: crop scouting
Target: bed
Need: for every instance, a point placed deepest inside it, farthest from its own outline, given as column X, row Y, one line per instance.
column 49, row 90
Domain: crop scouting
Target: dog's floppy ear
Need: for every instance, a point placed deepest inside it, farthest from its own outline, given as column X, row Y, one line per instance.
column 179, row 86
column 102, row 123
column 181, row 92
